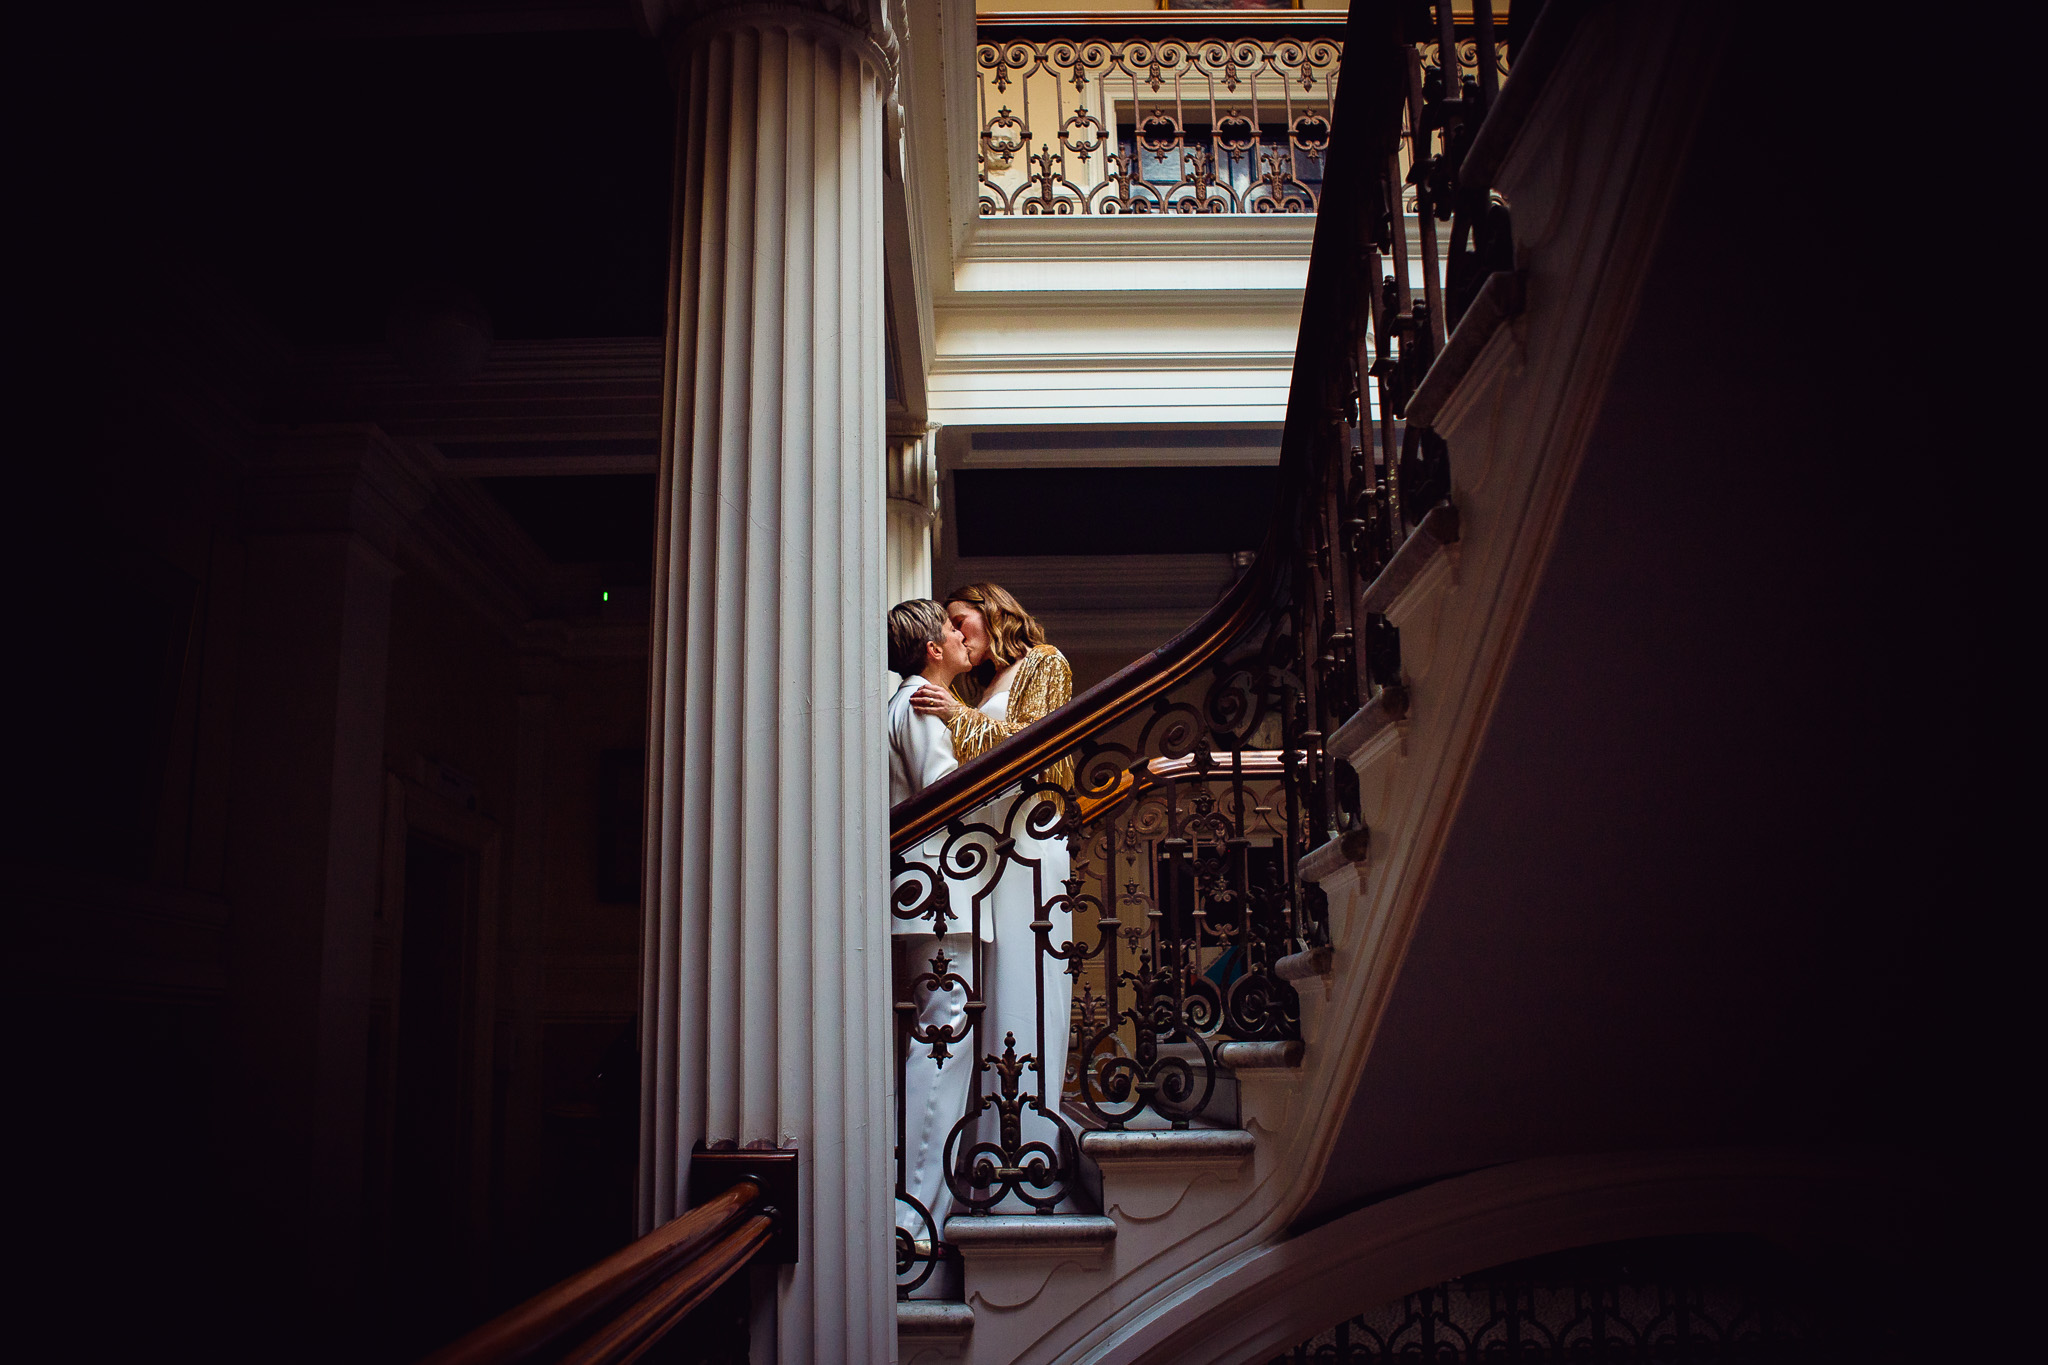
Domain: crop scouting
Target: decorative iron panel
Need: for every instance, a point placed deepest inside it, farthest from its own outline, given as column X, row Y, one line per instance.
column 1181, row 123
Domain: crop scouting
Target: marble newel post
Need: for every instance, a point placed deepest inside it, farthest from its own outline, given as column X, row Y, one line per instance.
column 766, row 1004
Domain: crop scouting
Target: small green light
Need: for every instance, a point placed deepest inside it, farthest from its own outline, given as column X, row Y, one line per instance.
column 605, row 596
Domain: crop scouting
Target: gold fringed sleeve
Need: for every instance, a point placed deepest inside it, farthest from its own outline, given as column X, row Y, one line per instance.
column 1044, row 683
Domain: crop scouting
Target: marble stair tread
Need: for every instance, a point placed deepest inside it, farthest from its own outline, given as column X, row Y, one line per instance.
column 1500, row 300
column 1408, row 577
column 933, row 1318
column 1149, row 1122
column 1301, row 966
column 1371, row 721
column 1028, row 1232
column 1272, row 1055
column 1168, row 1144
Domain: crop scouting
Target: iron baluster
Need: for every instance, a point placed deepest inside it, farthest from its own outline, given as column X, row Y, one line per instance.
column 1482, row 36
column 1238, row 165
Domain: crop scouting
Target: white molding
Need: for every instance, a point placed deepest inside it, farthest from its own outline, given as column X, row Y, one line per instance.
column 1097, row 271
column 1196, row 299
column 1232, row 407
column 1262, row 363
column 1099, row 457
column 1181, row 236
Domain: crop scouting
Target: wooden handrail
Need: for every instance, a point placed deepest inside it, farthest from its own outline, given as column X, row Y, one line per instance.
column 704, row 1237
column 624, row 1337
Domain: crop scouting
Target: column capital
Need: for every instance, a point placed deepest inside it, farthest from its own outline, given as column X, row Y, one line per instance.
column 869, row 26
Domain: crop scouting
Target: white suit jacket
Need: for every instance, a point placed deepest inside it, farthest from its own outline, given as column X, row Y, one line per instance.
column 920, row 747
column 920, row 753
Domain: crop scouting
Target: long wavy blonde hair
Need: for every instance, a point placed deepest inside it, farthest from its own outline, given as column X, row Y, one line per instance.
column 1012, row 633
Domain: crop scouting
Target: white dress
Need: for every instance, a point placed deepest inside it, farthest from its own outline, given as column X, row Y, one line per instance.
column 1019, row 972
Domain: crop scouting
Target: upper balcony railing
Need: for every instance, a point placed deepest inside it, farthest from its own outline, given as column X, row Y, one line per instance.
column 1185, row 112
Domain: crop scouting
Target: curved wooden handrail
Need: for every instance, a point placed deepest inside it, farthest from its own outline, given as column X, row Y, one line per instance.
column 1372, row 73
column 705, row 1236
column 624, row 1337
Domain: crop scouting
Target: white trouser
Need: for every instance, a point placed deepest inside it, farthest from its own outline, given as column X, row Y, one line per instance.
column 1018, row 973
column 934, row 1093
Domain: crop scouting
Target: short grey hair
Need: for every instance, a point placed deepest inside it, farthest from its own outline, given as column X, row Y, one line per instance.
column 912, row 626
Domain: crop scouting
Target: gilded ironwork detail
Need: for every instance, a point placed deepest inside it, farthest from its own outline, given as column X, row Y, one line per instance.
column 1183, row 124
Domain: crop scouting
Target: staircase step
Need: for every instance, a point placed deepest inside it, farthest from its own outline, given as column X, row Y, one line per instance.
column 1416, row 568
column 1028, row 1234
column 1173, row 1146
column 1376, row 730
column 1500, row 301
column 933, row 1320
column 1142, row 1175
column 1305, row 965
column 1263, row 1056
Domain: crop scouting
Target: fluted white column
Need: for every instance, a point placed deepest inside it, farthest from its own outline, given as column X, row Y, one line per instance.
column 766, row 1012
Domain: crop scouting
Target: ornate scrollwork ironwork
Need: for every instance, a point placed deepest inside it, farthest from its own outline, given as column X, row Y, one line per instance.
column 1156, row 125
column 982, row 1173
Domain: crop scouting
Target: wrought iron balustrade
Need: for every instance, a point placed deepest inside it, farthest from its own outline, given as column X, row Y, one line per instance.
column 1181, row 113
column 1189, row 865
column 1162, row 895
column 1129, row 116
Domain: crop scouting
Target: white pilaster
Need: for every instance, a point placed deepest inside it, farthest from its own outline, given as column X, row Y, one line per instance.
column 766, row 1013
column 913, row 513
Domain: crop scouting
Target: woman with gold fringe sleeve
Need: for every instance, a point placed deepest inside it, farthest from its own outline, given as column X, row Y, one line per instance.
column 1015, row 679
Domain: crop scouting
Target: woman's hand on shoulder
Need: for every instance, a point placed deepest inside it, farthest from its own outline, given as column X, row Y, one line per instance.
column 932, row 700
